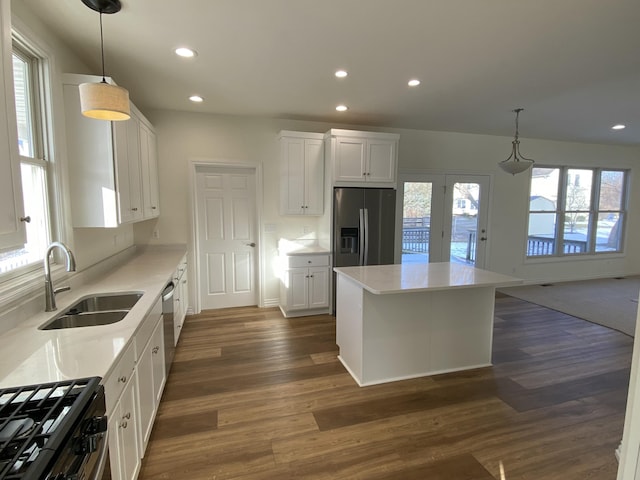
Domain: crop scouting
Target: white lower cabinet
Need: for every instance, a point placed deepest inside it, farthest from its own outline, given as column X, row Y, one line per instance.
column 151, row 379
column 124, row 448
column 304, row 288
column 133, row 391
column 180, row 298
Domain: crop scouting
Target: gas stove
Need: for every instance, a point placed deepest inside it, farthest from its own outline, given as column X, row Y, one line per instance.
column 53, row 430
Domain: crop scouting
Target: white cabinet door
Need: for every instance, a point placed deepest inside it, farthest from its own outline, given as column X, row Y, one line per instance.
column 381, row 160
column 127, row 162
column 350, row 162
column 151, row 379
column 298, row 293
column 149, row 160
column 12, row 229
column 313, row 177
column 318, row 279
column 124, row 450
column 302, row 174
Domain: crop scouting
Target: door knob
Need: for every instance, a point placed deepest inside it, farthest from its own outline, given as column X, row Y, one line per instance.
column 252, row 244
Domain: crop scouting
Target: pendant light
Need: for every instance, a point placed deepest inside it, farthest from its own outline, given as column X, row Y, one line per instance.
column 516, row 163
column 102, row 100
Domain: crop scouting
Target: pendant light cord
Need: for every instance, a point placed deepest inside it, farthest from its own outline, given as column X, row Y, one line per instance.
column 102, row 48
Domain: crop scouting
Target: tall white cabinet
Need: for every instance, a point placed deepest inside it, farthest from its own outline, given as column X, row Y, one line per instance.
column 301, row 173
column 12, row 228
column 113, row 169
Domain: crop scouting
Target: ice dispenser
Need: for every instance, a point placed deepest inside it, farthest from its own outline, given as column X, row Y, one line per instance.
column 349, row 240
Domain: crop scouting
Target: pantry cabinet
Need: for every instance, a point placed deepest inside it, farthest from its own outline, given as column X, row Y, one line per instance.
column 304, row 288
column 180, row 298
column 363, row 158
column 113, row 176
column 12, row 227
column 301, row 173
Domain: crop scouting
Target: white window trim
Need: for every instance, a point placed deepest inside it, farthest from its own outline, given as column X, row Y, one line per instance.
column 28, row 281
column 562, row 257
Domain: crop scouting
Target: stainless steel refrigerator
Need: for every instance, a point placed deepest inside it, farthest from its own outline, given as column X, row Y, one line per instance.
column 363, row 227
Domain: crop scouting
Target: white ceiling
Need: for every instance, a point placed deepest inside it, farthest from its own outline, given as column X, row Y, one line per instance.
column 573, row 65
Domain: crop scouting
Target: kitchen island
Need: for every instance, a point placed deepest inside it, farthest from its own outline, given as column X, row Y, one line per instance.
column 395, row 322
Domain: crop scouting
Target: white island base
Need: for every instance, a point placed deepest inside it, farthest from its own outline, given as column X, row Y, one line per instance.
column 417, row 326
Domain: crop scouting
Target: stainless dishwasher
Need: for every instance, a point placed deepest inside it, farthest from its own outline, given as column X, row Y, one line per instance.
column 167, row 319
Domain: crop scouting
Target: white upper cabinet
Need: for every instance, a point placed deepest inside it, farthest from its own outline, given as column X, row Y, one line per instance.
column 12, row 228
column 112, row 165
column 358, row 158
column 149, row 163
column 302, row 173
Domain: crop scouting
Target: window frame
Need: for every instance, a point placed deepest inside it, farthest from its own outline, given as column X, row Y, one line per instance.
column 29, row 46
column 561, row 213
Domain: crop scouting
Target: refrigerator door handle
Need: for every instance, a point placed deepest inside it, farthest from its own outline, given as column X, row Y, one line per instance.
column 361, row 238
column 366, row 236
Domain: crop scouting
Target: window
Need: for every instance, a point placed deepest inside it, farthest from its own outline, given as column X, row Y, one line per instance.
column 575, row 211
column 28, row 71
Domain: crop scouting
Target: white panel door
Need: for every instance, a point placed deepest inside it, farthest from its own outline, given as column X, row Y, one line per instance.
column 226, row 236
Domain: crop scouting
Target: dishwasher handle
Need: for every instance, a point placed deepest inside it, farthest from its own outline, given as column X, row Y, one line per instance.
column 167, row 293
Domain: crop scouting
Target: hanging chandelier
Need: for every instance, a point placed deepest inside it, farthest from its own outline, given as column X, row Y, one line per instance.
column 516, row 163
column 102, row 100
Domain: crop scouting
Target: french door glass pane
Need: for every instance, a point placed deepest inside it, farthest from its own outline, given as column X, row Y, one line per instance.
column 416, row 222
column 464, row 222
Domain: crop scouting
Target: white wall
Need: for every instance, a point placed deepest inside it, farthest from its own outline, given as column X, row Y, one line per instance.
column 184, row 136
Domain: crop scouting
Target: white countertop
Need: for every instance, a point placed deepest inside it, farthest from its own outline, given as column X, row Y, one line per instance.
column 407, row 278
column 300, row 247
column 31, row 356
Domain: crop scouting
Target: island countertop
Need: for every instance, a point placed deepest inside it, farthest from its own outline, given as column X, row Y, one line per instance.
column 407, row 278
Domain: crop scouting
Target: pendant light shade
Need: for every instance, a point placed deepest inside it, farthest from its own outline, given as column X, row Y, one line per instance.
column 516, row 163
column 101, row 100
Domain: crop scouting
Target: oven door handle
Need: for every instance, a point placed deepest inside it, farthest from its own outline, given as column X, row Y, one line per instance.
column 102, row 459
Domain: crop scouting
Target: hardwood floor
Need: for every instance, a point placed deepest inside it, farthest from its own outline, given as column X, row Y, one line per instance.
column 255, row 396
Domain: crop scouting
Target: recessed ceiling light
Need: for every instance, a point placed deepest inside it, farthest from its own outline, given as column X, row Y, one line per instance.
column 196, row 99
column 342, row 108
column 414, row 82
column 618, row 127
column 185, row 52
column 341, row 73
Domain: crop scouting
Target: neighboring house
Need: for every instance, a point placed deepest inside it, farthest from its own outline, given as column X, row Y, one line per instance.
column 543, row 223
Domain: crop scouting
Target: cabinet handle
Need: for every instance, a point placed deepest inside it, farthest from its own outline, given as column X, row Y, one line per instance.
column 154, row 207
column 127, row 416
column 155, row 349
column 123, row 379
column 26, row 219
column 123, row 424
column 310, row 276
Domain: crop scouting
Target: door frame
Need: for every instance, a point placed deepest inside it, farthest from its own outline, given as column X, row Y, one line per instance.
column 194, row 245
column 428, row 175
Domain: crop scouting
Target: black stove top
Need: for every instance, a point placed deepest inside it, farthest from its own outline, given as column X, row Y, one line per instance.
column 35, row 421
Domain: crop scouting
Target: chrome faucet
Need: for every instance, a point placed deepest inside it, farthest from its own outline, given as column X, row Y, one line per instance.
column 49, row 291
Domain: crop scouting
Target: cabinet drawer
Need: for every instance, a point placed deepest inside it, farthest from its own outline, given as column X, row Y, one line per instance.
column 148, row 325
column 296, row 261
column 115, row 382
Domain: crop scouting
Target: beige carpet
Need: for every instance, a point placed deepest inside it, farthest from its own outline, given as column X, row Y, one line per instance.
column 609, row 302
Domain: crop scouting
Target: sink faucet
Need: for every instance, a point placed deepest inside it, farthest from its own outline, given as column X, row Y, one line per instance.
column 49, row 291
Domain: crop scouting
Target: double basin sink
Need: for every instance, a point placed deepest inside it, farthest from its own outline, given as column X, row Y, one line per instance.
column 93, row 310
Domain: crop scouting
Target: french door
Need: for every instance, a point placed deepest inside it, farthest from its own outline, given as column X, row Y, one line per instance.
column 444, row 218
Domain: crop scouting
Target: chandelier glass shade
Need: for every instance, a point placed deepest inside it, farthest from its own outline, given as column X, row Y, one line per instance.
column 516, row 163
